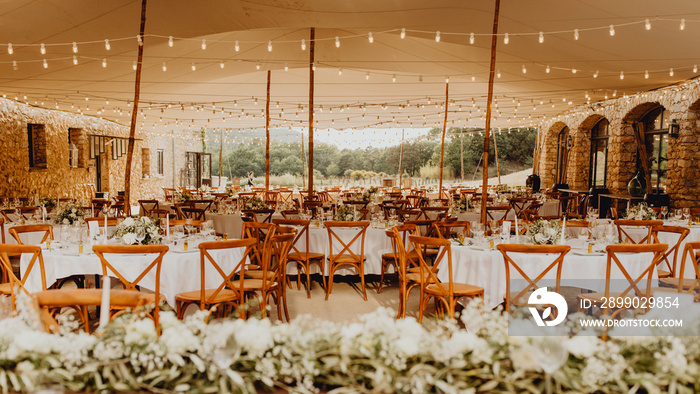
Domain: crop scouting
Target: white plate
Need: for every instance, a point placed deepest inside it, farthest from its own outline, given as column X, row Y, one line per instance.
column 585, row 253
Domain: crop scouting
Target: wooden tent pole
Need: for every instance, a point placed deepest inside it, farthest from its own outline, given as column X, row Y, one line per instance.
column 487, row 132
column 267, row 134
column 444, row 129
column 495, row 152
column 461, row 154
column 303, row 162
column 134, row 114
column 312, row 44
column 221, row 153
column 403, row 131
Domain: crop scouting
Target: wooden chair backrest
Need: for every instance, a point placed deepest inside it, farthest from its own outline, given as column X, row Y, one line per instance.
column 425, row 227
column 691, row 255
column 14, row 250
column 434, row 213
column 625, row 236
column 265, row 215
column 682, row 233
column 147, row 206
column 346, row 250
column 228, row 275
column 633, row 288
column 303, row 233
column 447, row 229
column 262, row 233
column 406, row 215
column 532, row 277
column 427, row 271
column 490, row 210
column 47, row 229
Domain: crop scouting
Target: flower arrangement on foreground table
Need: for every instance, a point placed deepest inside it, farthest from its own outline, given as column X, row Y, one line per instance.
column 368, row 193
column 255, row 203
column 141, row 229
column 69, row 213
column 544, row 232
column 378, row 353
column 641, row 211
column 344, row 213
column 464, row 204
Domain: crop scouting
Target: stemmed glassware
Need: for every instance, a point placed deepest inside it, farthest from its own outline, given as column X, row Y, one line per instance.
column 664, row 212
column 686, row 214
column 140, row 235
column 678, row 214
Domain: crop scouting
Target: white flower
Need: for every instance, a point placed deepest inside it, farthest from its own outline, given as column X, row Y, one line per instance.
column 583, row 345
column 525, row 358
column 129, row 238
column 128, row 222
column 140, row 332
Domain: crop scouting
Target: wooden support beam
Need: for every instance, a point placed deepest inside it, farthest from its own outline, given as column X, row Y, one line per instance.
column 444, row 130
column 312, row 44
column 267, row 134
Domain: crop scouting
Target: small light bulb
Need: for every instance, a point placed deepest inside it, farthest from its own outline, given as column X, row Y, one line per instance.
column 170, row 41
column 370, row 38
column 236, row 46
column 204, row 44
column 269, row 46
column 646, row 74
column 9, row 49
column 574, row 71
column 194, row 68
column 313, row 66
column 670, row 72
column 524, row 69
column 75, row 59
column 46, row 64
column 541, row 39
column 337, row 42
column 547, row 69
column 14, row 65
column 471, row 38
column 498, row 73
column 695, row 68
column 595, row 74
column 622, row 75
column 612, row 30
column 367, row 76
column 647, row 24
column 506, row 39
column 286, row 67
column 75, row 47
column 303, row 45
column 43, row 49
column 104, row 62
column 437, row 36
column 393, row 78
column 107, row 46
column 682, row 26
column 340, row 71
column 473, row 78
column 139, row 40
column 447, row 79
column 403, row 33
column 576, row 34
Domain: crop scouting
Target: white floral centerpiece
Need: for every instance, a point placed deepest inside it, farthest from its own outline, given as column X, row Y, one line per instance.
column 255, row 203
column 69, row 213
column 641, row 211
column 47, row 202
column 464, row 204
column 376, row 353
column 344, row 213
column 368, row 193
column 544, row 232
column 129, row 229
column 185, row 196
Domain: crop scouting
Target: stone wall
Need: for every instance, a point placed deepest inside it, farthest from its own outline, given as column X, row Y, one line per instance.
column 683, row 103
column 58, row 179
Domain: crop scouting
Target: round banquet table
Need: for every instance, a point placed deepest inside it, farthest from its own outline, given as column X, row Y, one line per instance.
column 486, row 268
column 180, row 270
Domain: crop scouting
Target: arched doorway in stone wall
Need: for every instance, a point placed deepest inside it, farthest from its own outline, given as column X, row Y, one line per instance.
column 648, row 122
column 564, row 144
column 597, row 127
column 549, row 154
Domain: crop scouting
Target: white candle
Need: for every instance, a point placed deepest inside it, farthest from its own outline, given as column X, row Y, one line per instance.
column 517, row 230
column 105, row 228
column 104, row 305
column 43, row 214
column 167, row 225
column 563, row 232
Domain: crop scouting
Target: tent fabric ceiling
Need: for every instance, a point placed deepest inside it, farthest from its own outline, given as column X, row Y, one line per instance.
column 196, row 91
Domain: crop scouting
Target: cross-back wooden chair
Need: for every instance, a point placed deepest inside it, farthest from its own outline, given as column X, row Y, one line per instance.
column 497, row 212
column 161, row 213
column 533, row 276
column 285, row 196
column 434, row 213
column 392, row 258
column 231, row 291
column 303, row 258
column 691, row 256
column 446, row 293
column 346, row 256
column 262, row 233
column 36, row 262
column 6, row 214
column 109, row 269
column 518, row 204
column 259, row 215
column 637, row 286
column 406, row 284
column 625, row 236
column 425, row 227
column 80, row 300
column 452, row 229
column 46, row 229
column 147, row 206
column 682, row 232
column 290, row 214
column 406, row 215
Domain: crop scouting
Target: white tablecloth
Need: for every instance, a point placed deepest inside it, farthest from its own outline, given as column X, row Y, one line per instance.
column 229, row 224
column 180, row 271
column 29, row 238
column 671, row 239
column 486, row 268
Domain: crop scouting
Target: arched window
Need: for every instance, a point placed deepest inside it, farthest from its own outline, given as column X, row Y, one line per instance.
column 598, row 169
column 563, row 145
column 656, row 139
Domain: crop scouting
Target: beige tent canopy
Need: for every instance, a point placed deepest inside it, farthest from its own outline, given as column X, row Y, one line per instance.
column 214, row 73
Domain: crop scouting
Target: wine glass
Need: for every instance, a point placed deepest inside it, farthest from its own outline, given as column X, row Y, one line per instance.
column 178, row 231
column 105, row 210
column 583, row 235
column 495, row 227
column 664, row 212
column 140, row 234
column 678, row 214
column 686, row 213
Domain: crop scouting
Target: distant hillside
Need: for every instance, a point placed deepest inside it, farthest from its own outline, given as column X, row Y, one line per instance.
column 233, row 140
